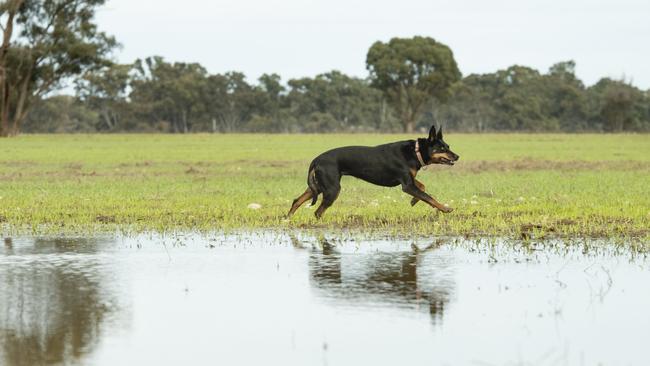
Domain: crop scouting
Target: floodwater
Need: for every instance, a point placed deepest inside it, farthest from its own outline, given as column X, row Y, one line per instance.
column 274, row 299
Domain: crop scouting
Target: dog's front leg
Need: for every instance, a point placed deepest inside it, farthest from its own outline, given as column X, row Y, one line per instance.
column 413, row 190
column 421, row 187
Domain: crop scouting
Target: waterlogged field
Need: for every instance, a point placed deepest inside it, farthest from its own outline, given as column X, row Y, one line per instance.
column 507, row 185
column 277, row 299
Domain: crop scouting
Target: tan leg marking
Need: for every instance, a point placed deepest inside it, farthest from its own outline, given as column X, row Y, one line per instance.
column 421, row 186
column 435, row 204
column 299, row 201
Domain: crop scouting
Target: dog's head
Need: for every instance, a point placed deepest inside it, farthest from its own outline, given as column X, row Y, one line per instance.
column 437, row 149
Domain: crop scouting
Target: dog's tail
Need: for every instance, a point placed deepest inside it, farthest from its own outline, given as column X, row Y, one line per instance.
column 313, row 183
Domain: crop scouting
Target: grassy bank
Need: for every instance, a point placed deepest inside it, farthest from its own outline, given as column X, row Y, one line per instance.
column 504, row 185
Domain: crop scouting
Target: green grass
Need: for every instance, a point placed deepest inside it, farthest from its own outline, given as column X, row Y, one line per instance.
column 508, row 185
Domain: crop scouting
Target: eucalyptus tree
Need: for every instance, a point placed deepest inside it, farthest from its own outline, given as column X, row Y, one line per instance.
column 45, row 42
column 567, row 101
column 335, row 101
column 230, row 100
column 105, row 91
column 169, row 92
column 618, row 106
column 410, row 72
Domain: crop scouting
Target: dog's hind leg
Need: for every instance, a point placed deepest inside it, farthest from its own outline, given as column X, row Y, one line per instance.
column 299, row 201
column 421, row 186
column 331, row 185
column 328, row 199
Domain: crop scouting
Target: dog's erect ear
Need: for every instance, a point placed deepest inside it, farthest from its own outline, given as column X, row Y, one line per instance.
column 439, row 135
column 432, row 133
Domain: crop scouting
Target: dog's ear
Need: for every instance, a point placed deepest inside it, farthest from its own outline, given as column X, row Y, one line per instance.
column 439, row 135
column 432, row 133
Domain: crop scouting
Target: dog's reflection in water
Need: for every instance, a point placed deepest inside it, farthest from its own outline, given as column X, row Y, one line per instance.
column 415, row 278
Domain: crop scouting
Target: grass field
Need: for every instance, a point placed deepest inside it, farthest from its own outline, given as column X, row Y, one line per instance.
column 511, row 185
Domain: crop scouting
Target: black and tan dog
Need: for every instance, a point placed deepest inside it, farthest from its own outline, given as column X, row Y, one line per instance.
column 387, row 165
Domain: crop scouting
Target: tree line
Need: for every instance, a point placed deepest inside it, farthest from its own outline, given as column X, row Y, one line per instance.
column 410, row 83
column 153, row 95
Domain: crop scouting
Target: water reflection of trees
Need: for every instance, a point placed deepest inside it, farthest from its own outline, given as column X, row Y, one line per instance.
column 53, row 302
column 392, row 278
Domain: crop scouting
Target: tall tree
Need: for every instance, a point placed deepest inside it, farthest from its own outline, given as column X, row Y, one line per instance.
column 230, row 100
column 8, row 11
column 57, row 39
column 169, row 92
column 271, row 98
column 521, row 100
column 471, row 106
column 411, row 72
column 617, row 105
column 105, row 91
column 566, row 97
column 349, row 101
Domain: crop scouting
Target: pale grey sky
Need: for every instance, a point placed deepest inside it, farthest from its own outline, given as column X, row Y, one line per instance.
column 296, row 38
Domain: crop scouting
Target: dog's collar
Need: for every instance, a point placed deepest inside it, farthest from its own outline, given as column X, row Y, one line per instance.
column 417, row 153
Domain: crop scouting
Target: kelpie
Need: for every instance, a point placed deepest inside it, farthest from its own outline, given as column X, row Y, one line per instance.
column 387, row 165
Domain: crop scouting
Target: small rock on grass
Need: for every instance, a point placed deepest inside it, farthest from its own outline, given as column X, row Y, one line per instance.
column 254, row 206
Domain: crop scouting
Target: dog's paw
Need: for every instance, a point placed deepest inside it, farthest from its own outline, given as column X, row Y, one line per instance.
column 447, row 209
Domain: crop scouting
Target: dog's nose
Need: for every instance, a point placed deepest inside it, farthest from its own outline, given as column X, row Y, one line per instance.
column 457, row 157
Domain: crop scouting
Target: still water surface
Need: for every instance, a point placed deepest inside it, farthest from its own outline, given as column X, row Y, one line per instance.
column 272, row 299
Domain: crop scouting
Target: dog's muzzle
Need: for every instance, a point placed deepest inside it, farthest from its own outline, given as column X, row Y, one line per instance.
column 451, row 159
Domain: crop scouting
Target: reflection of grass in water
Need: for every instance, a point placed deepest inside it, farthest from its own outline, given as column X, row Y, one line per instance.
column 508, row 185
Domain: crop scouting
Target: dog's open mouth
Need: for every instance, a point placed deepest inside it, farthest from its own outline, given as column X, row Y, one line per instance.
column 446, row 161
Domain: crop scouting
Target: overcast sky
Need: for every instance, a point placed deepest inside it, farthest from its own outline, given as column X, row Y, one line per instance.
column 296, row 38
